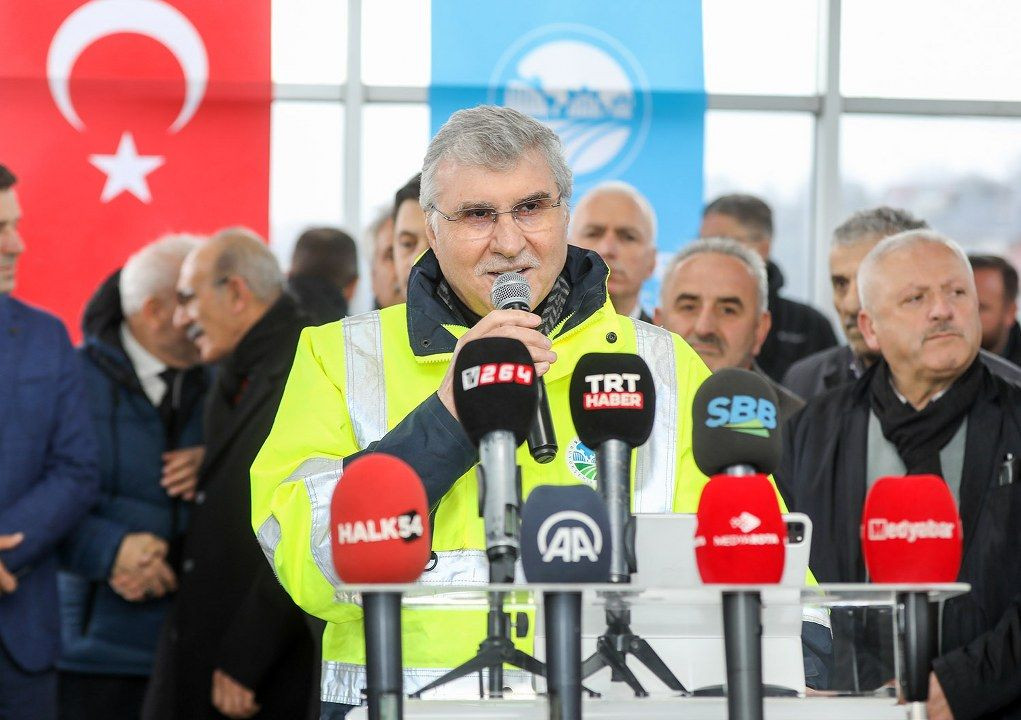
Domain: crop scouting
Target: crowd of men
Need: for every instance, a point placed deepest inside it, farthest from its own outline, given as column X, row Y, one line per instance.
column 165, row 487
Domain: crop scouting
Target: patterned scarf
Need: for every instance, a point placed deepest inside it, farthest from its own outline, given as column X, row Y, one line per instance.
column 550, row 309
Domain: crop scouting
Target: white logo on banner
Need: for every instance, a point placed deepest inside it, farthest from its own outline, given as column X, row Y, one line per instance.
column 584, row 85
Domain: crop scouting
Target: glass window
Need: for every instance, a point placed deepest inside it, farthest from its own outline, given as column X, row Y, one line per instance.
column 306, row 171
column 394, row 141
column 768, row 155
column 397, row 42
column 310, row 42
column 931, row 49
column 758, row 48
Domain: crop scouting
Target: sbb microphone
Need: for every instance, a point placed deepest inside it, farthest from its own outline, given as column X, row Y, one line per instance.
column 511, row 292
column 911, row 533
column 495, row 394
column 379, row 521
column 613, row 405
column 565, row 535
column 739, row 537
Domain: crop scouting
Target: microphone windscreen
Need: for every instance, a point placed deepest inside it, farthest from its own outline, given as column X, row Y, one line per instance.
column 612, row 398
column 735, row 422
column 739, row 535
column 565, row 535
column 379, row 522
column 510, row 290
column 495, row 388
column 911, row 532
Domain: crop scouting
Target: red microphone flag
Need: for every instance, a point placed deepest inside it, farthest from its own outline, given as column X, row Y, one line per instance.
column 125, row 120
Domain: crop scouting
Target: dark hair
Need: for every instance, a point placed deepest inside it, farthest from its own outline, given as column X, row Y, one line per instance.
column 882, row 221
column 750, row 211
column 7, row 178
column 995, row 262
column 411, row 191
column 328, row 253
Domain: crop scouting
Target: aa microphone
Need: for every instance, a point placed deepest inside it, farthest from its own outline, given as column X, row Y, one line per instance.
column 512, row 292
column 565, row 533
column 379, row 521
column 495, row 394
column 739, row 536
column 613, row 405
column 911, row 533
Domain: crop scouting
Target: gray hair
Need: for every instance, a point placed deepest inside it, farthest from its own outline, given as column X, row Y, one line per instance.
column 153, row 270
column 493, row 138
column 879, row 222
column 622, row 188
column 752, row 261
column 246, row 255
column 895, row 243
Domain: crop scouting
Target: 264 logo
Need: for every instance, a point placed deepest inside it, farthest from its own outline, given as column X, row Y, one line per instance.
column 742, row 413
column 496, row 373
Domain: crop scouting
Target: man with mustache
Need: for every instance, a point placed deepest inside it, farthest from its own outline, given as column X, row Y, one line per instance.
column 618, row 222
column 715, row 296
column 495, row 191
column 927, row 405
column 836, row 366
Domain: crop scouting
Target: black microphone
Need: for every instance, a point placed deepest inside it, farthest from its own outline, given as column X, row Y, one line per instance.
column 495, row 397
column 511, row 292
column 564, row 536
column 613, row 405
column 735, row 439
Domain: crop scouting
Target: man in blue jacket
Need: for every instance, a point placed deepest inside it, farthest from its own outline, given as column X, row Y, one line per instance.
column 47, row 479
column 146, row 394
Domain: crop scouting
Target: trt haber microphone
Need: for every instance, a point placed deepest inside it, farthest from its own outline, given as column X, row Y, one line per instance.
column 565, row 533
column 613, row 405
column 495, row 393
column 379, row 520
column 735, row 424
column 911, row 533
column 511, row 292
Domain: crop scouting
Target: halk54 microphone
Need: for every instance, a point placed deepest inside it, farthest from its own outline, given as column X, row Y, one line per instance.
column 911, row 533
column 565, row 534
column 740, row 532
column 495, row 393
column 379, row 522
column 511, row 292
column 613, row 405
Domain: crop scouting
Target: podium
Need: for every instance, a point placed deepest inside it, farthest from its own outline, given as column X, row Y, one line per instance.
column 647, row 604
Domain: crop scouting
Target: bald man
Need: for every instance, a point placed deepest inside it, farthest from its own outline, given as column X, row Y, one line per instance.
column 618, row 222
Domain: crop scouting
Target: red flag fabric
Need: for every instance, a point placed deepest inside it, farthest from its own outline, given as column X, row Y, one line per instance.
column 125, row 120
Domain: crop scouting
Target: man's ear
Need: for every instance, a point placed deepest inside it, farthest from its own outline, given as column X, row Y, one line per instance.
column 866, row 323
column 761, row 331
column 239, row 295
column 430, row 234
column 657, row 317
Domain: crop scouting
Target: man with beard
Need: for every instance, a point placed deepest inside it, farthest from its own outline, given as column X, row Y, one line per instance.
column 927, row 406
column 996, row 280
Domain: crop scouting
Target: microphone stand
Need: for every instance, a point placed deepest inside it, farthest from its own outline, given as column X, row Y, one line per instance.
column 919, row 649
column 384, row 683
column 613, row 461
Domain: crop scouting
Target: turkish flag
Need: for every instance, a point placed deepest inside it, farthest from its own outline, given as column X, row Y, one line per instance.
column 127, row 119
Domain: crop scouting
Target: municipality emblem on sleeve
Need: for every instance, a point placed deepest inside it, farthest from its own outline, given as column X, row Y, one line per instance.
column 581, row 461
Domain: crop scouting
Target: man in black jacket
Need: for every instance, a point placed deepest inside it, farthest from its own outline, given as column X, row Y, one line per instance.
column 996, row 280
column 798, row 330
column 234, row 644
column 323, row 274
column 928, row 406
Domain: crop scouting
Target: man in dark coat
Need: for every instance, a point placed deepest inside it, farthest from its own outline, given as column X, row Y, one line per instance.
column 323, row 274
column 929, row 406
column 996, row 280
column 234, row 644
column 797, row 330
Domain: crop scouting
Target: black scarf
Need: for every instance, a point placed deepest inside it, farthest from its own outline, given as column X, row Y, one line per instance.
column 919, row 435
column 550, row 309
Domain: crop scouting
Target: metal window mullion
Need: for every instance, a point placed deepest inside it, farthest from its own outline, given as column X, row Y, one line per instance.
column 353, row 94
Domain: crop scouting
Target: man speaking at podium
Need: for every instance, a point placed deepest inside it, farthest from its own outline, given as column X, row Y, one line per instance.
column 495, row 190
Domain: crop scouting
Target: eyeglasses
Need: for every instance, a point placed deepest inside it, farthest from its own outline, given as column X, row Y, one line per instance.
column 478, row 222
column 184, row 298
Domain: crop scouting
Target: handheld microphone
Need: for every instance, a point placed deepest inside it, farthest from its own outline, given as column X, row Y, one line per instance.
column 613, row 405
column 565, row 533
column 735, row 439
column 511, row 292
column 495, row 393
column 380, row 534
column 911, row 533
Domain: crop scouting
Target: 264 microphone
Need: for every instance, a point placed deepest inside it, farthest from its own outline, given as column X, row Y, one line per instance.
column 613, row 405
column 911, row 533
column 565, row 534
column 379, row 521
column 495, row 393
column 511, row 292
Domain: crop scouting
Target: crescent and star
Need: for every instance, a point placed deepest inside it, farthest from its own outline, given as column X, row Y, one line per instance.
column 126, row 170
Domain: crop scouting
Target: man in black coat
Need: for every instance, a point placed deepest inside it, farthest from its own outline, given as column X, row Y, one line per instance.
column 234, row 643
column 996, row 280
column 928, row 406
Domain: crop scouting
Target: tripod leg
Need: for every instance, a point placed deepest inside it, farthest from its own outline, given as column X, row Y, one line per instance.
column 524, row 661
column 618, row 664
column 485, row 659
column 643, row 652
column 592, row 665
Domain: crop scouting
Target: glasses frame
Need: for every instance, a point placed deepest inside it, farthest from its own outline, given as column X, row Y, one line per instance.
column 497, row 213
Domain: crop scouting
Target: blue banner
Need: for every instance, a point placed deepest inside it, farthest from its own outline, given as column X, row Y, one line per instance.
column 620, row 82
